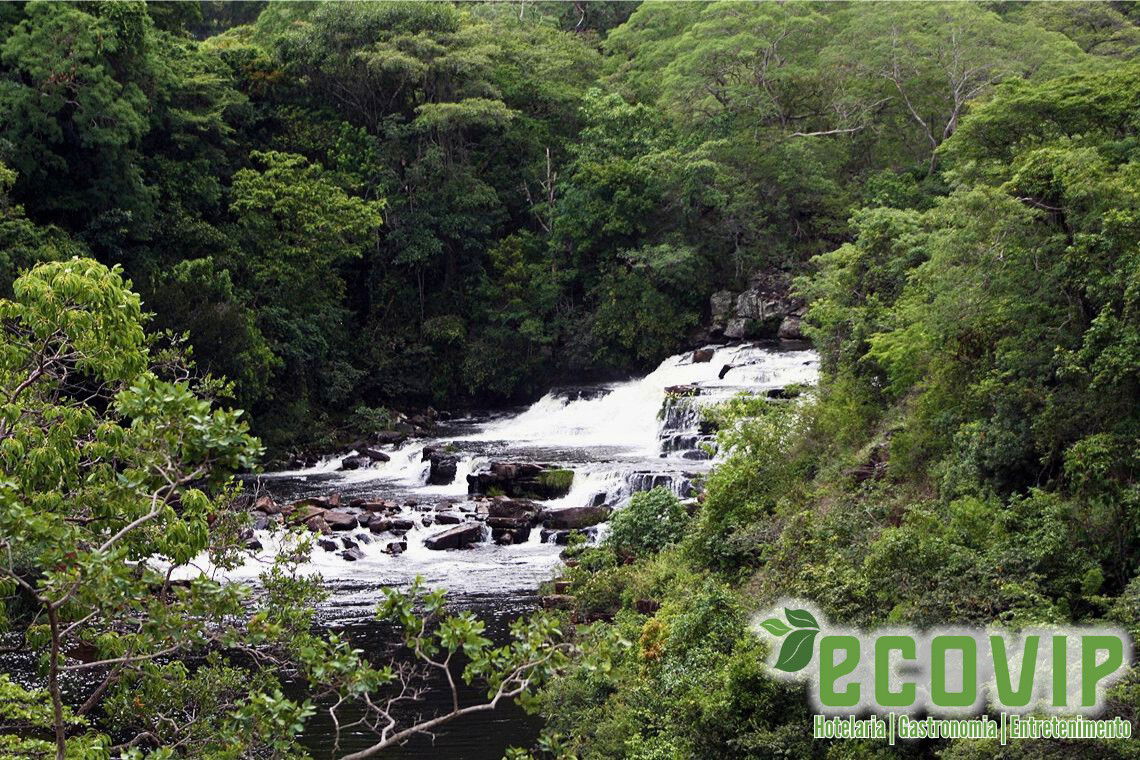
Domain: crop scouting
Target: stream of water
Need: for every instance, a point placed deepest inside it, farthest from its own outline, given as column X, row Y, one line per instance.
column 618, row 438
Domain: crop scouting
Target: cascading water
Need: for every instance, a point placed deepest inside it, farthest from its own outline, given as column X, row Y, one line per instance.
column 617, row 438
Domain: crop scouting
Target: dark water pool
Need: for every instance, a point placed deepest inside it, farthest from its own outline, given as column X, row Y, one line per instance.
column 483, row 736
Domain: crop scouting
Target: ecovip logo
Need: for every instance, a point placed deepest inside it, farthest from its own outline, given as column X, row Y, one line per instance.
column 950, row 673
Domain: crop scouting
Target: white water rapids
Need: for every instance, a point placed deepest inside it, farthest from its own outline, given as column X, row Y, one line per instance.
column 610, row 435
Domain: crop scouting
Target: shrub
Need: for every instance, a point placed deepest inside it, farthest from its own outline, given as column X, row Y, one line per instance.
column 653, row 520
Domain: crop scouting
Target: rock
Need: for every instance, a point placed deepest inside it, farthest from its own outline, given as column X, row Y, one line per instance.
column 267, row 505
column 389, row 437
column 396, row 547
column 561, row 587
column 317, row 524
column 720, row 305
column 260, row 521
column 501, row 506
column 703, row 355
column 302, row 511
column 456, row 538
column 557, row 537
column 558, row 602
column 510, row 530
column 448, row 518
column 354, row 462
column 348, row 543
column 333, row 499
column 352, row 554
column 740, row 328
column 363, row 538
column 376, row 455
column 338, row 520
column 688, row 389
column 526, row 480
column 725, row 370
column 791, row 328
column 443, row 465
column 783, row 393
column 509, row 523
column 370, row 506
column 253, row 545
column 327, row 544
column 568, row 518
column 380, row 524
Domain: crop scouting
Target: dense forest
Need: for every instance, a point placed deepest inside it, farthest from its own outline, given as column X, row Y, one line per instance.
column 324, row 212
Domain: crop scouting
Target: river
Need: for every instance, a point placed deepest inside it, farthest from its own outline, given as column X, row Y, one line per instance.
column 616, row 437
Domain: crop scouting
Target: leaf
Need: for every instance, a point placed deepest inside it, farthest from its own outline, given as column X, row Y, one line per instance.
column 797, row 650
column 775, row 627
column 801, row 618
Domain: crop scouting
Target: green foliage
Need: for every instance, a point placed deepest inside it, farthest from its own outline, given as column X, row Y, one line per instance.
column 650, row 522
column 970, row 454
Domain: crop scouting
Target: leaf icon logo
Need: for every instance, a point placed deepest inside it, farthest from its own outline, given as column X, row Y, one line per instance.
column 801, row 631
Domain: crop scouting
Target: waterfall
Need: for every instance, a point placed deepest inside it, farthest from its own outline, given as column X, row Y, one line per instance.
column 618, row 438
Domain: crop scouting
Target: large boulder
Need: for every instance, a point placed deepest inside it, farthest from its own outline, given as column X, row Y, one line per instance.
column 791, row 328
column 302, row 511
column 338, row 520
column 456, row 538
column 317, row 524
column 508, row 523
column 376, row 455
column 503, row 507
column 443, row 465
column 703, row 355
column 720, row 306
column 571, row 518
column 355, row 462
column 266, row 504
column 527, row 480
column 388, row 437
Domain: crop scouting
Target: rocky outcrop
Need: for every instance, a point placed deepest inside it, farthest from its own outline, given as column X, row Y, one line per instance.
column 456, row 538
column 765, row 309
column 526, row 480
column 443, row 465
